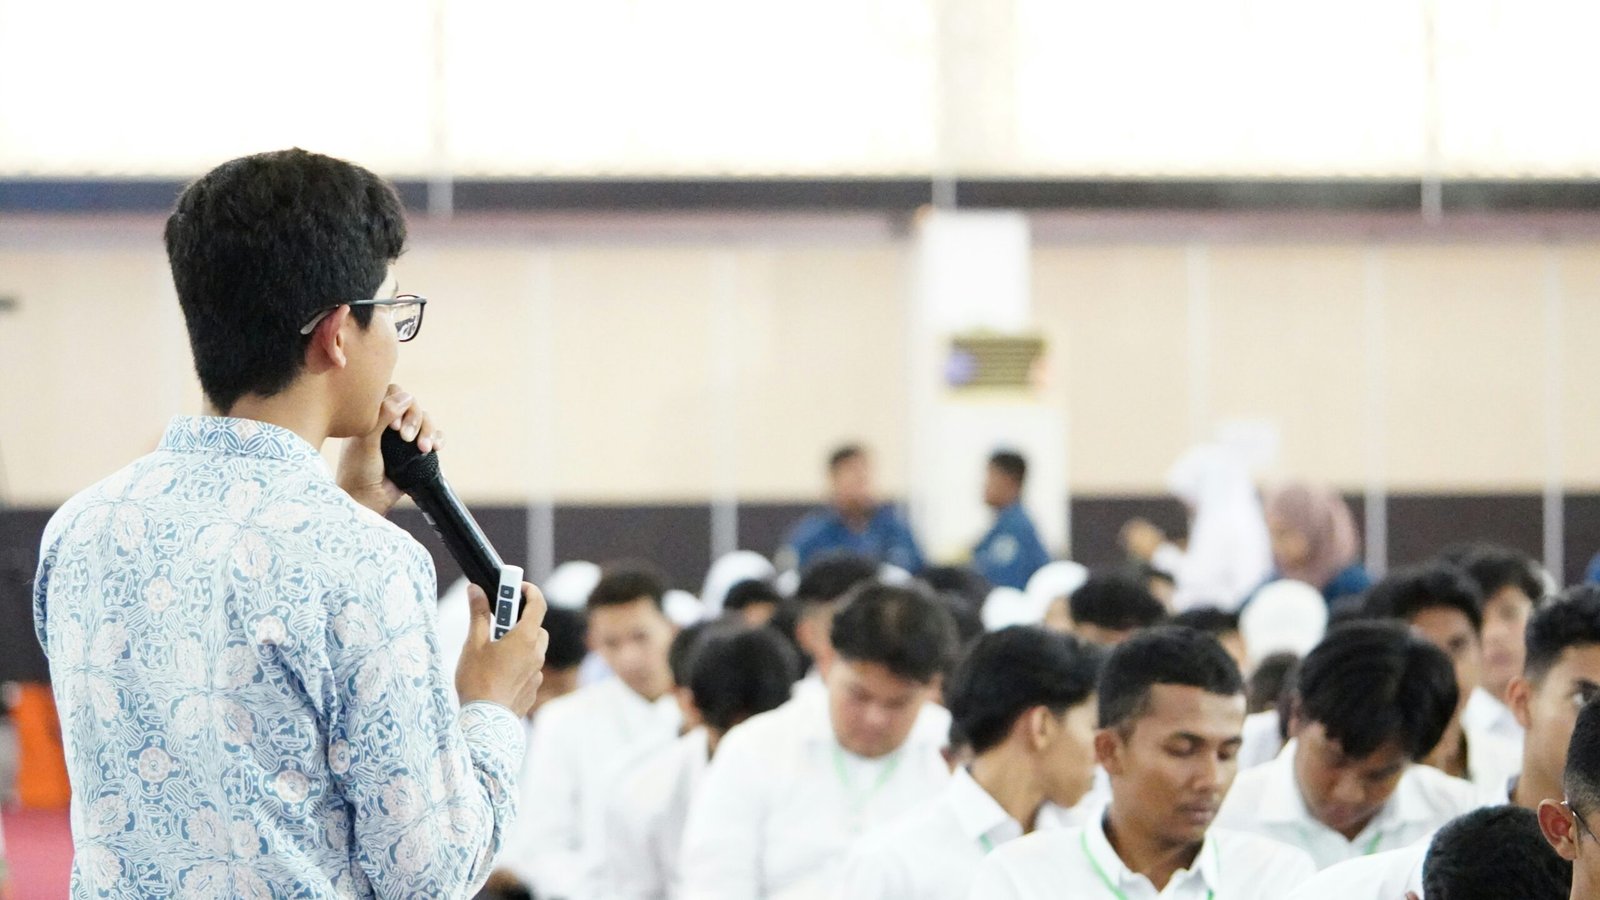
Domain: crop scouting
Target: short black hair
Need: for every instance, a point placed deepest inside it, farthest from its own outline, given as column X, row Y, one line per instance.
column 1369, row 683
column 568, row 630
column 681, row 653
column 1573, row 620
column 905, row 629
column 1496, row 568
column 750, row 592
column 963, row 580
column 1012, row 464
column 259, row 245
column 1405, row 593
column 740, row 672
column 1166, row 654
column 1115, row 603
column 843, row 454
column 1272, row 683
column 1145, row 572
column 623, row 584
column 967, row 615
column 1210, row 619
column 833, row 575
column 1494, row 853
column 1010, row 671
column 1581, row 777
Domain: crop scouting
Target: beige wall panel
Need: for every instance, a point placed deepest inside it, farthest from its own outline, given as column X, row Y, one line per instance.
column 1464, row 330
column 822, row 361
column 1287, row 347
column 1116, row 318
column 1580, row 355
column 92, row 365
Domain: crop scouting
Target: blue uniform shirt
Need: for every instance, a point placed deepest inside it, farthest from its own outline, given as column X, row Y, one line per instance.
column 886, row 539
column 1011, row 552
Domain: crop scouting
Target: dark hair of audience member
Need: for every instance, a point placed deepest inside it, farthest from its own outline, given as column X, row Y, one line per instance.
column 1168, row 655
column 1008, row 672
column 739, row 672
column 844, row 454
column 1369, row 683
column 832, row 575
column 1408, row 592
column 1213, row 621
column 1115, row 603
column 568, row 630
column 263, row 243
column 1273, row 677
column 1012, row 464
column 1494, row 853
column 1581, row 778
column 1496, row 568
column 963, row 580
column 1572, row 621
column 683, row 650
column 625, row 583
column 749, row 593
column 904, row 629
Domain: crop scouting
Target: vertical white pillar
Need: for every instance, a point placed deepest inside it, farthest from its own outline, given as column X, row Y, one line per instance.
column 1377, row 388
column 1555, row 524
column 539, row 366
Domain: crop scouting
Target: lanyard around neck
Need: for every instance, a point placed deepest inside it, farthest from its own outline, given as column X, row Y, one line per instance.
column 1105, row 879
column 858, row 799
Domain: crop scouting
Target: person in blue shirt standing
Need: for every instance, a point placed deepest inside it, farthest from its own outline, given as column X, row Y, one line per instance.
column 854, row 521
column 1011, row 552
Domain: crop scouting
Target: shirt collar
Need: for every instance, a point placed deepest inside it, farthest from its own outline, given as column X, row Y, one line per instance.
column 1282, row 802
column 1106, row 861
column 238, row 437
column 979, row 814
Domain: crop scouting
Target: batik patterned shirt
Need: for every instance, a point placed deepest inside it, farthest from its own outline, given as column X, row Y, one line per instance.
column 251, row 698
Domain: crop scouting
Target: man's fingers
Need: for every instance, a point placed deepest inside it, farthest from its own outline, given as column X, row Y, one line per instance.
column 478, row 628
column 533, row 611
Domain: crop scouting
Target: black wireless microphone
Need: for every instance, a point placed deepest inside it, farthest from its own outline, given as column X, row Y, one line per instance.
column 418, row 474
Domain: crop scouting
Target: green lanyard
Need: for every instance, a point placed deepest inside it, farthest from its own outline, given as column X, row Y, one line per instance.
column 858, row 800
column 1105, row 879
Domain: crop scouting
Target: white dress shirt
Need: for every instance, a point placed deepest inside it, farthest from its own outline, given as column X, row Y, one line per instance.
column 580, row 743
column 782, row 803
column 1080, row 863
column 1262, row 740
column 1492, row 761
column 1485, row 712
column 1382, row 876
column 1267, row 801
column 932, row 852
column 645, row 819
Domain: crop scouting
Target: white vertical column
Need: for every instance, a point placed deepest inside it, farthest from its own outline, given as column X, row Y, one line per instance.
column 724, row 327
column 539, row 366
column 441, row 181
column 1555, row 524
column 1377, row 409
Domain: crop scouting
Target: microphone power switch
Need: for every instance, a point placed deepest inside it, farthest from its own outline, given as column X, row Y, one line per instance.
column 507, row 601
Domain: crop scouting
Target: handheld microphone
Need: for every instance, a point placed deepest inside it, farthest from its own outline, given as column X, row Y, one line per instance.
column 418, row 474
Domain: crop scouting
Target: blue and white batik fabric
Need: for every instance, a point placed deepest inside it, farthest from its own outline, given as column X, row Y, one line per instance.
column 249, row 685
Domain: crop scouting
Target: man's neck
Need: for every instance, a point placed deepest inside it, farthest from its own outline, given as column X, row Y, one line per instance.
column 294, row 409
column 1150, row 856
column 1012, row 783
column 1533, row 786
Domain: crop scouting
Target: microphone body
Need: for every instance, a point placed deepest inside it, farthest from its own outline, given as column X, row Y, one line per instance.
column 418, row 474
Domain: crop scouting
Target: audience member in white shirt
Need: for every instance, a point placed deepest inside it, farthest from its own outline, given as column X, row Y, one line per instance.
column 1562, row 674
column 790, row 791
column 1372, row 700
column 726, row 674
column 1440, row 603
column 583, row 739
column 1108, row 609
column 822, row 587
column 1569, row 825
column 1171, row 705
column 1512, row 592
column 1023, row 701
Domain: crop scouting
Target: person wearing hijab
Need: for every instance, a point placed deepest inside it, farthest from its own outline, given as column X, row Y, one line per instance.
column 1314, row 540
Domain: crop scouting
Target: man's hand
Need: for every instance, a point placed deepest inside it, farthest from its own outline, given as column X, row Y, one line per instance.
column 361, row 460
column 507, row 671
column 1141, row 539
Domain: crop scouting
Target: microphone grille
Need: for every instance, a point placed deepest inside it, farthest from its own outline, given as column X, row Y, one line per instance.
column 405, row 465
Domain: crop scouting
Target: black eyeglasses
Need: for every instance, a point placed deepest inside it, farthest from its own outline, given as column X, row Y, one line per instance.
column 407, row 310
column 1582, row 825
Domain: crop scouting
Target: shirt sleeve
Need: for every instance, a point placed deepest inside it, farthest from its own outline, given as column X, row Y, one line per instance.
column 630, row 870
column 547, row 850
column 994, row 883
column 872, row 872
column 432, row 789
column 722, row 842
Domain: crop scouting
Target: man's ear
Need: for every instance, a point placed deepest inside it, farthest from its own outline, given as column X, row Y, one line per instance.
column 1108, row 750
column 327, row 349
column 1559, row 828
column 1519, row 696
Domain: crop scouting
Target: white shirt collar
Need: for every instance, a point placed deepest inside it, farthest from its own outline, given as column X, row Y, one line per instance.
column 1282, row 801
column 977, row 812
column 1107, row 864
